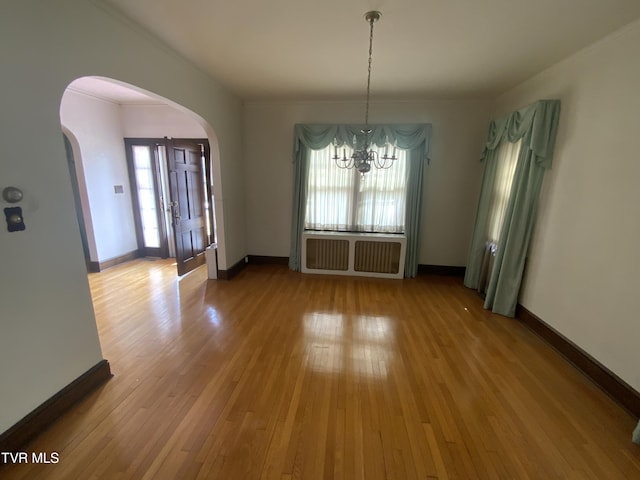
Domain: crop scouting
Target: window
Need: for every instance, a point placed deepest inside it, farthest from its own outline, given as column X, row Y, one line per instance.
column 507, row 160
column 143, row 167
column 506, row 214
column 500, row 194
column 344, row 200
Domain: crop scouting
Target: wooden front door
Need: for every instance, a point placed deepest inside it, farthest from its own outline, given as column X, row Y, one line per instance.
column 188, row 197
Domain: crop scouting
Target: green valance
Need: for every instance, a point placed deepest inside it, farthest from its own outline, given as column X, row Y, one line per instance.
column 536, row 124
column 317, row 137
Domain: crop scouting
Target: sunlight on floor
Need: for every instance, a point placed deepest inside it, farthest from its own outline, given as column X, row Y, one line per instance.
column 358, row 345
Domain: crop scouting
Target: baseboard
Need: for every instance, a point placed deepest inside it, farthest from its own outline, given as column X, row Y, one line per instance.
column 127, row 257
column 36, row 421
column 233, row 271
column 95, row 267
column 613, row 385
column 268, row 260
column 441, row 270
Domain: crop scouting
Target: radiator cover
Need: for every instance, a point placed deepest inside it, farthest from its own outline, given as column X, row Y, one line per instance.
column 358, row 254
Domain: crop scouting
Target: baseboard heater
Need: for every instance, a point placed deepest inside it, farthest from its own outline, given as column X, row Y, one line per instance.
column 357, row 254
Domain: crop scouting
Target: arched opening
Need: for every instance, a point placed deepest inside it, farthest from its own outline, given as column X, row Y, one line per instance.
column 147, row 174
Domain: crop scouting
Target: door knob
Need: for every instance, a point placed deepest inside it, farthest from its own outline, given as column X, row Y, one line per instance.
column 12, row 194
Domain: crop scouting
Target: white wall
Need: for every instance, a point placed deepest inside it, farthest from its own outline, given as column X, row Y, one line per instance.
column 157, row 121
column 48, row 332
column 452, row 180
column 97, row 126
column 583, row 268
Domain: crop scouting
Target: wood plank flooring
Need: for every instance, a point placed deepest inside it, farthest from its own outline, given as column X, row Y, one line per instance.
column 279, row 375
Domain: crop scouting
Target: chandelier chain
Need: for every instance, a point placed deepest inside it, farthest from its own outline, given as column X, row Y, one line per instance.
column 366, row 114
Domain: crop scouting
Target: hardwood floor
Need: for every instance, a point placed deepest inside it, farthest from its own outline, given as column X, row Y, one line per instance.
column 279, row 375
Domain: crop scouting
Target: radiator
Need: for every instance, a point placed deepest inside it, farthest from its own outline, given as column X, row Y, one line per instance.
column 358, row 254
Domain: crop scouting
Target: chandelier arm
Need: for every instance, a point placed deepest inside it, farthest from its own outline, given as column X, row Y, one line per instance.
column 385, row 164
column 344, row 163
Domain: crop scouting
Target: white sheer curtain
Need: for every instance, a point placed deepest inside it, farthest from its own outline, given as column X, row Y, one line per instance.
column 344, row 200
column 505, row 171
column 506, row 162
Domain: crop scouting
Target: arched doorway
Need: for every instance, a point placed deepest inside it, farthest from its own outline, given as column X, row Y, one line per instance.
column 100, row 114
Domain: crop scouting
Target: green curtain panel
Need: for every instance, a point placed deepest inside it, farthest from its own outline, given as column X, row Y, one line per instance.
column 537, row 126
column 415, row 138
column 636, row 434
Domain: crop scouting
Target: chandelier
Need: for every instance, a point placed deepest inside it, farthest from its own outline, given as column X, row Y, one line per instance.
column 362, row 159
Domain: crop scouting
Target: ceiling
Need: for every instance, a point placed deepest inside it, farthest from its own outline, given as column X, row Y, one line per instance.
column 303, row 49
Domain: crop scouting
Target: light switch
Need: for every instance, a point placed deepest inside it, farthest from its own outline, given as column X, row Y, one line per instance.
column 15, row 220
